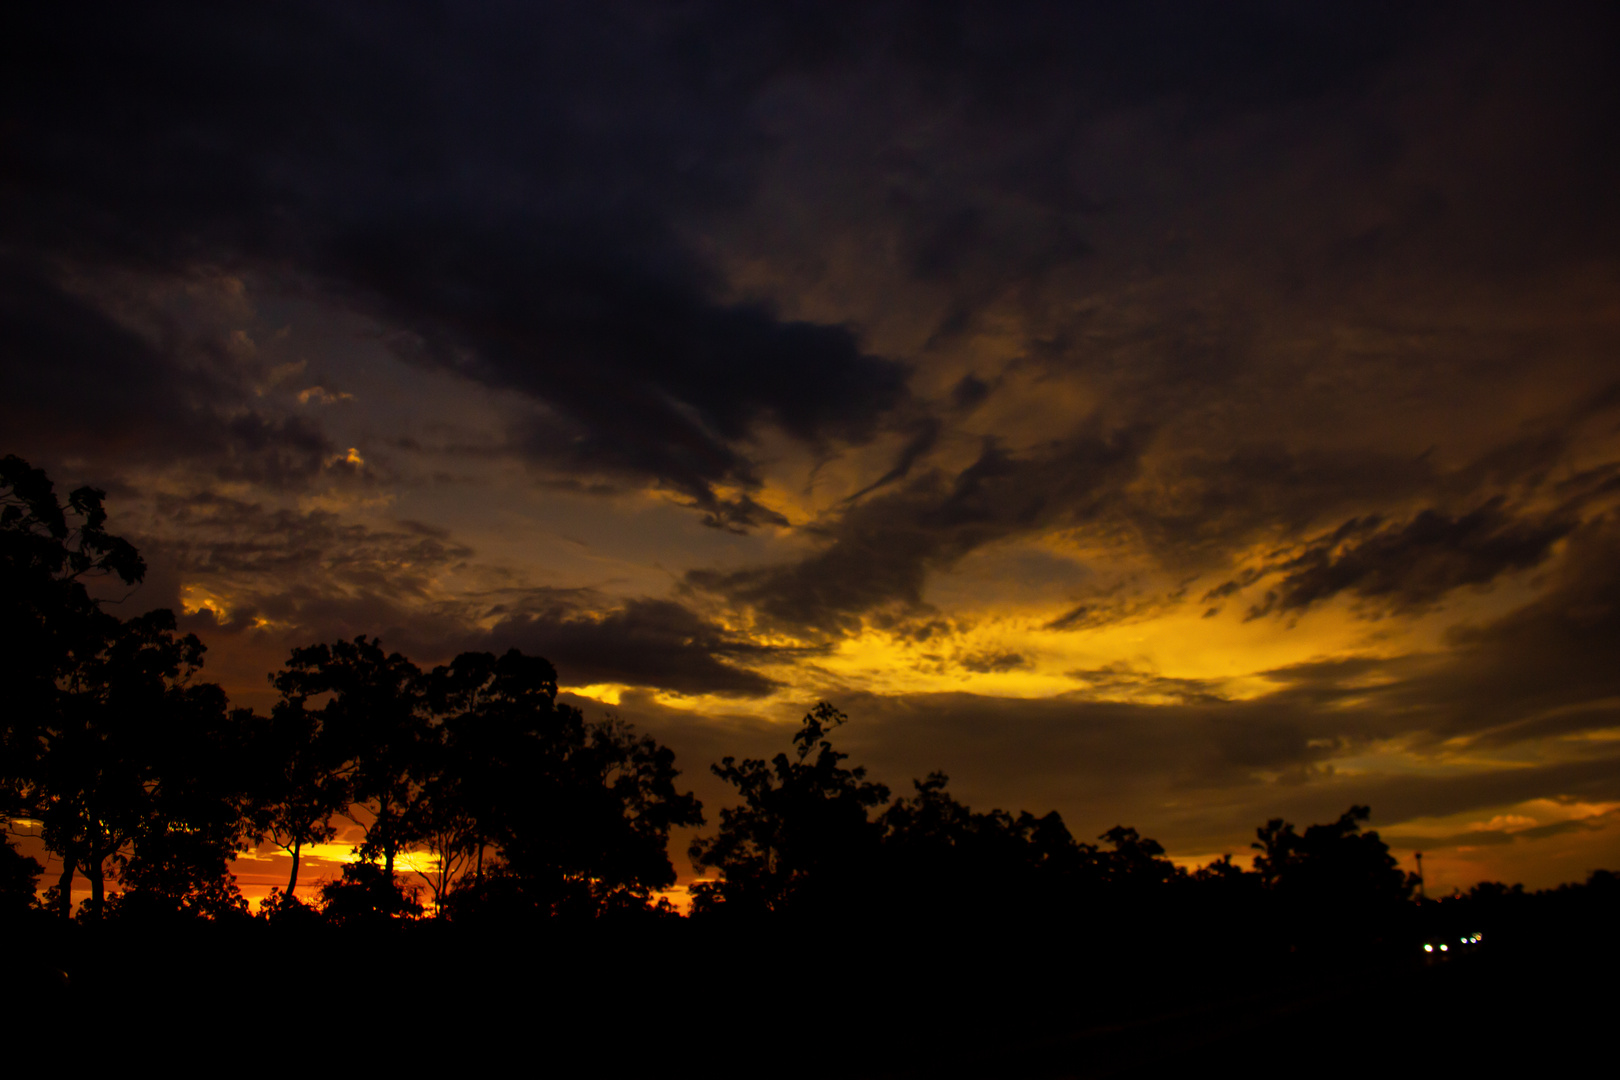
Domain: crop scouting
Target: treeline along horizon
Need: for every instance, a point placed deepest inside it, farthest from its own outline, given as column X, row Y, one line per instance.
column 141, row 774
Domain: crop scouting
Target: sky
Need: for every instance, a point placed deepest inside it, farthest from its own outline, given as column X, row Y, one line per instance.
column 1171, row 414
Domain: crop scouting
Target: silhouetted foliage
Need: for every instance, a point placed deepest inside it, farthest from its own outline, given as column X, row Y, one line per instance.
column 1136, row 863
column 135, row 752
column 131, row 765
column 299, row 779
column 578, row 813
column 493, row 714
column 476, row 762
column 368, row 894
column 803, row 839
column 19, row 877
column 284, row 910
column 1336, row 883
column 943, row 858
column 48, row 620
column 200, row 802
column 374, row 725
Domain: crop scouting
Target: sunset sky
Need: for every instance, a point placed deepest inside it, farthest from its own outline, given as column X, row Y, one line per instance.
column 1171, row 414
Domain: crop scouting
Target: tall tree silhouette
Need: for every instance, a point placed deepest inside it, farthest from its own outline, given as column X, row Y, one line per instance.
column 200, row 794
column 374, row 724
column 301, row 782
column 48, row 620
column 803, row 837
column 112, row 752
column 108, row 737
column 577, row 812
column 487, row 710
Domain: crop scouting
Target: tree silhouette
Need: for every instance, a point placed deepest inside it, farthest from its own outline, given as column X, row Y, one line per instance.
column 109, row 740
column 48, row 620
column 1336, row 859
column 1335, row 882
column 1136, row 862
column 301, row 783
column 19, row 874
column 374, row 724
column 578, row 813
column 200, row 796
column 802, row 838
column 367, row 894
column 941, row 856
column 101, row 753
column 487, row 711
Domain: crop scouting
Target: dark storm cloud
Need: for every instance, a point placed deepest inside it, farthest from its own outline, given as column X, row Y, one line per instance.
column 1121, row 680
column 312, row 576
column 1543, row 671
column 1540, row 674
column 78, row 383
column 1110, row 606
column 305, row 575
column 878, row 553
column 522, row 192
column 993, row 662
column 1217, row 502
column 923, row 438
column 218, row 534
column 641, row 642
column 1555, row 655
column 1406, row 565
column 502, row 185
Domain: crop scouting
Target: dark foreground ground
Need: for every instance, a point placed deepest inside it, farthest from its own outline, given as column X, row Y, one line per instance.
column 680, row 1000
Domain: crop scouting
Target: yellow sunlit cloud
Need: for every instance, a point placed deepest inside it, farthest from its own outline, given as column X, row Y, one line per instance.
column 197, row 598
column 606, row 693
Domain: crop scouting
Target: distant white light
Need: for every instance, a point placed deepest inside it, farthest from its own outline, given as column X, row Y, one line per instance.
column 1428, row 948
column 1445, row 948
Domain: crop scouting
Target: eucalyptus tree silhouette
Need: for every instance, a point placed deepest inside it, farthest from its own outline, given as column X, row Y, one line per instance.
column 200, row 794
column 48, row 620
column 522, row 804
column 577, row 813
column 300, row 782
column 489, row 714
column 109, row 740
column 375, row 724
column 124, row 760
column 803, row 839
